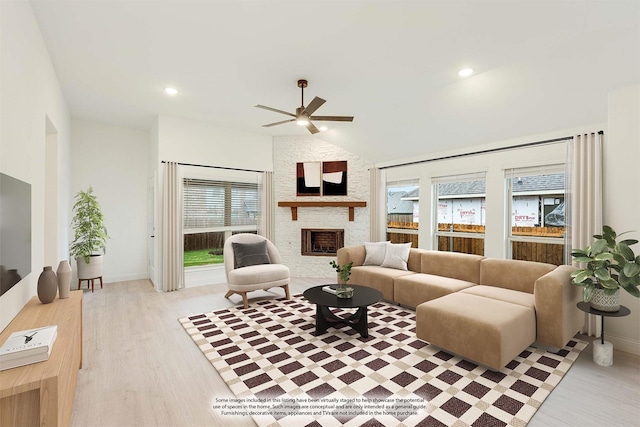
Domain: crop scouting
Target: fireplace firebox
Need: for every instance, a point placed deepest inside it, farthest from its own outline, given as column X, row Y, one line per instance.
column 321, row 242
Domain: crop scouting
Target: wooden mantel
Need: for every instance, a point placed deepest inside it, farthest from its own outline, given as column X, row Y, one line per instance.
column 303, row 204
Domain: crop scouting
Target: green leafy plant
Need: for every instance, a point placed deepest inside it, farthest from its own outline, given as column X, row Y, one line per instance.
column 610, row 265
column 90, row 233
column 343, row 271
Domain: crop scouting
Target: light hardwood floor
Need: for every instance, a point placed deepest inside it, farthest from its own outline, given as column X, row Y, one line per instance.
column 141, row 369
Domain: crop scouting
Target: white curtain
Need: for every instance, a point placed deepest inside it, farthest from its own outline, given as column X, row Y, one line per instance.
column 266, row 225
column 377, row 205
column 172, row 230
column 583, row 202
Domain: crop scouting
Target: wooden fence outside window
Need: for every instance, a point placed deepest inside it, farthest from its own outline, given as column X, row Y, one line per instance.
column 552, row 253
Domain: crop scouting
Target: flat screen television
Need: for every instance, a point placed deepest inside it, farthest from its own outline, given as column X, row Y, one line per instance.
column 15, row 231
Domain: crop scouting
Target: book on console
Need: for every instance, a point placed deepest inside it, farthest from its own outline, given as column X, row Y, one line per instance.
column 330, row 289
column 26, row 360
column 28, row 345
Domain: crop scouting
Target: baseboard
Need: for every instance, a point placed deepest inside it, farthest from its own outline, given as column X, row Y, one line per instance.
column 619, row 344
column 624, row 344
column 125, row 277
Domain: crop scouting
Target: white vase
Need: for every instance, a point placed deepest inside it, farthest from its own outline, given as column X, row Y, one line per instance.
column 604, row 302
column 64, row 279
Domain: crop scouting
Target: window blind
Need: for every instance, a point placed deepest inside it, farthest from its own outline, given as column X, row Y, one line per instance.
column 535, row 171
column 210, row 203
column 478, row 176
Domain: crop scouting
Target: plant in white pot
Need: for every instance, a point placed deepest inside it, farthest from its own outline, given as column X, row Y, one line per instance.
column 90, row 235
column 610, row 265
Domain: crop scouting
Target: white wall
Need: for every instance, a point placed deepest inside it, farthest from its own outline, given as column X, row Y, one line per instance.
column 29, row 94
column 622, row 198
column 114, row 161
column 199, row 143
column 190, row 141
column 287, row 152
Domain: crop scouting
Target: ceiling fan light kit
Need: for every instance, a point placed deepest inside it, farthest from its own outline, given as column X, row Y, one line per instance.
column 303, row 115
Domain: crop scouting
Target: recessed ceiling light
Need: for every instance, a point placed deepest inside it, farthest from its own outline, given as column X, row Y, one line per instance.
column 170, row 91
column 322, row 128
column 465, row 72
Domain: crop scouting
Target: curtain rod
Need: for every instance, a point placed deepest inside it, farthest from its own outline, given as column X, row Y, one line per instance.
column 490, row 150
column 216, row 167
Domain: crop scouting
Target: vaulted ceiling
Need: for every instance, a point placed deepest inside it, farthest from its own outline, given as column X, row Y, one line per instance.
column 539, row 66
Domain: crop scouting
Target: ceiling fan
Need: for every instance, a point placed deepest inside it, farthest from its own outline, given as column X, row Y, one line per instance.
column 303, row 115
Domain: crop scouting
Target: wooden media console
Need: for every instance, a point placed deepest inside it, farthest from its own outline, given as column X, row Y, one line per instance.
column 42, row 393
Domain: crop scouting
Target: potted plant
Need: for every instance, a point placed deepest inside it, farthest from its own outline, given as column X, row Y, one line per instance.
column 90, row 235
column 610, row 265
column 344, row 271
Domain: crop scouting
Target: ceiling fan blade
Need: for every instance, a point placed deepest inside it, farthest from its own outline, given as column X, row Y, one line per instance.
column 333, row 118
column 275, row 110
column 312, row 128
column 278, row 123
column 313, row 105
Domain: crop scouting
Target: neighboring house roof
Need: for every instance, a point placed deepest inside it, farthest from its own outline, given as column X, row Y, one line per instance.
column 541, row 184
column 395, row 204
column 413, row 194
column 475, row 188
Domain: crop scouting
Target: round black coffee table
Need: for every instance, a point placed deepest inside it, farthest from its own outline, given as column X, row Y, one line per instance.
column 362, row 298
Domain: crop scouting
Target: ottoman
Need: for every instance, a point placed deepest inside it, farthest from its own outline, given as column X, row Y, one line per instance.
column 484, row 330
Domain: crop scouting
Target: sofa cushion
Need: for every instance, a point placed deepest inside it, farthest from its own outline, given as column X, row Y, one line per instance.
column 558, row 319
column 396, row 256
column 374, row 252
column 414, row 289
column 512, row 274
column 481, row 329
column 415, row 259
column 507, row 295
column 355, row 254
column 379, row 278
column 452, row 264
column 261, row 273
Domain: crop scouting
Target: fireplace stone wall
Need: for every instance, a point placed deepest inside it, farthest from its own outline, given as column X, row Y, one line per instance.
column 287, row 152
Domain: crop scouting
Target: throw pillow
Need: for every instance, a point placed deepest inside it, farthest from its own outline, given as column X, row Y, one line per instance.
column 246, row 254
column 397, row 256
column 375, row 252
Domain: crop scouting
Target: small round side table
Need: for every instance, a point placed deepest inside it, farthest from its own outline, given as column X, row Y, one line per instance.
column 603, row 350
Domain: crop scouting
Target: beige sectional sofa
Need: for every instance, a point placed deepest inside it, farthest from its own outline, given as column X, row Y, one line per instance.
column 485, row 309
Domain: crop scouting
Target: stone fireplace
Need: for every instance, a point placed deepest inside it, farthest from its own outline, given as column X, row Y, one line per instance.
column 321, row 213
column 321, row 241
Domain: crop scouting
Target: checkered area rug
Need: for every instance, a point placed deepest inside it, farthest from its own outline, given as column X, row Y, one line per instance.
column 283, row 375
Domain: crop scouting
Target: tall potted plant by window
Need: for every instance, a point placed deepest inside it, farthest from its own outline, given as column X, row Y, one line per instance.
column 610, row 265
column 90, row 235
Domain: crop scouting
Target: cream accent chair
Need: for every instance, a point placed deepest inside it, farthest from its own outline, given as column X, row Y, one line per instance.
column 254, row 277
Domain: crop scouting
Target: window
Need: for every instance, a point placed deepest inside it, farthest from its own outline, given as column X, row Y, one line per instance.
column 460, row 213
column 213, row 211
column 403, row 211
column 537, row 223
